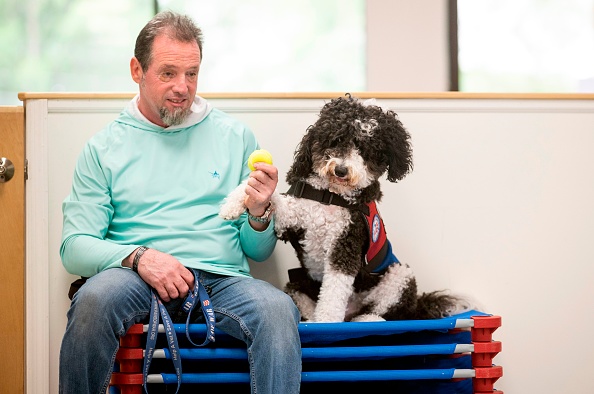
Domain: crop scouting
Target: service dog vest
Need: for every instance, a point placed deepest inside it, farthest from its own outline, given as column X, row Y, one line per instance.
column 378, row 253
column 378, row 256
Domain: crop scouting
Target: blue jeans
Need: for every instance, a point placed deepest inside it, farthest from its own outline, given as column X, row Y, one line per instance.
column 252, row 310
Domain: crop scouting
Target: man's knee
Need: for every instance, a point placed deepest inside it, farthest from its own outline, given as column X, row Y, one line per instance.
column 282, row 307
column 105, row 292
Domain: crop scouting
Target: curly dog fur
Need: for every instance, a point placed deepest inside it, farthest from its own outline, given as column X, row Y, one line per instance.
column 340, row 159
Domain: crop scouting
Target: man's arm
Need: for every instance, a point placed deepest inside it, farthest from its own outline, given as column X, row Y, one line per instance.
column 261, row 184
column 259, row 240
column 87, row 214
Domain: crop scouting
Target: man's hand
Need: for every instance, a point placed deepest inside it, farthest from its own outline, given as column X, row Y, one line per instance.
column 260, row 186
column 164, row 273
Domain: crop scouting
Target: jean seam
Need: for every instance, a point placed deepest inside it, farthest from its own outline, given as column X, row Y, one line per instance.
column 120, row 333
column 128, row 319
column 110, row 371
column 247, row 332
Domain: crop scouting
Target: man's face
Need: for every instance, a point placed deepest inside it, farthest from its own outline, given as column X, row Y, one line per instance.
column 168, row 87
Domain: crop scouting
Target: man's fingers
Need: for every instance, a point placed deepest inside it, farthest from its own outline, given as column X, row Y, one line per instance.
column 172, row 291
column 182, row 288
column 268, row 170
column 188, row 277
column 163, row 294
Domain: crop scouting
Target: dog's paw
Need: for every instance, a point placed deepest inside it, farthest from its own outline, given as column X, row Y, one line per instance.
column 368, row 317
column 230, row 211
column 233, row 206
column 305, row 305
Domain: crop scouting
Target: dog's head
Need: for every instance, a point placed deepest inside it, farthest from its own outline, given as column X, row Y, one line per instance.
column 350, row 147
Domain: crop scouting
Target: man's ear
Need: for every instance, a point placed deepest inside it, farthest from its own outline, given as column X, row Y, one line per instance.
column 136, row 70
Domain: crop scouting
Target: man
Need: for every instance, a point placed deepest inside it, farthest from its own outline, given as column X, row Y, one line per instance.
column 143, row 211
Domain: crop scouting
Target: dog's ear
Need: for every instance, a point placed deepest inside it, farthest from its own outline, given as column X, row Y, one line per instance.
column 302, row 159
column 302, row 165
column 398, row 150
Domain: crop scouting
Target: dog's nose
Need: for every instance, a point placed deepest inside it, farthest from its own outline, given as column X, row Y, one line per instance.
column 341, row 171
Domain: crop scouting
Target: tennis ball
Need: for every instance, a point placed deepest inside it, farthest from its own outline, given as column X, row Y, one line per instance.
column 257, row 156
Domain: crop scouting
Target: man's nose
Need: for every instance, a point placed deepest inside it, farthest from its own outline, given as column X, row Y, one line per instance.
column 180, row 84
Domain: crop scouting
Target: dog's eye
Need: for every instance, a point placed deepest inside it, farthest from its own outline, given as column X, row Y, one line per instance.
column 366, row 127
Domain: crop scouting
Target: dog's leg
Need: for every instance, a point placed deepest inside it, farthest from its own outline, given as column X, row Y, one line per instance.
column 233, row 205
column 334, row 296
column 394, row 297
column 354, row 309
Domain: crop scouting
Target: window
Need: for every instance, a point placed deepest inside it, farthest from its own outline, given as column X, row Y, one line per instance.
column 279, row 46
column 526, row 46
column 292, row 45
column 255, row 46
column 68, row 45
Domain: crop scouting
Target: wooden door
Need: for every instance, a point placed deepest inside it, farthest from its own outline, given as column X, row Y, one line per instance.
column 12, row 252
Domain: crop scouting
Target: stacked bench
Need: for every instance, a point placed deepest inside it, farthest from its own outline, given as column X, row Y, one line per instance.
column 449, row 355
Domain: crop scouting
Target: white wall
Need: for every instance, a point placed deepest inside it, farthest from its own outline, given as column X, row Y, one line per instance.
column 498, row 207
column 407, row 46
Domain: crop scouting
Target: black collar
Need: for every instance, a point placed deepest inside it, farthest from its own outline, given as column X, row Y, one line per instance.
column 301, row 189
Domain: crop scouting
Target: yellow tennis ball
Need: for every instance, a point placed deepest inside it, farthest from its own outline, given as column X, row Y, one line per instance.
column 257, row 156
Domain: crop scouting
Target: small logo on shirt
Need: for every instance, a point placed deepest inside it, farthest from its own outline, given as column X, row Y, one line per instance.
column 215, row 174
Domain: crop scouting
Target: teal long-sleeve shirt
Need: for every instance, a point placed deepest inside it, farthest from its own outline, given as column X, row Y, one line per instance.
column 138, row 184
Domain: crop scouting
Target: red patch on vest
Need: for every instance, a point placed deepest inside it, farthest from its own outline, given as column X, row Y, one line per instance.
column 377, row 232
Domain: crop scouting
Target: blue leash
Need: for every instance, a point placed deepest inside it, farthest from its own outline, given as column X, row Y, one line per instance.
column 199, row 293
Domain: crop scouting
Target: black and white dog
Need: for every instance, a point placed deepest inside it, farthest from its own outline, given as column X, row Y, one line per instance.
column 329, row 215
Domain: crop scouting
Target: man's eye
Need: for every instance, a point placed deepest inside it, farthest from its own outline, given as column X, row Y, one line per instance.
column 192, row 76
column 166, row 76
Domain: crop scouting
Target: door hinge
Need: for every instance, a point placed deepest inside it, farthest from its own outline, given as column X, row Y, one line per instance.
column 26, row 169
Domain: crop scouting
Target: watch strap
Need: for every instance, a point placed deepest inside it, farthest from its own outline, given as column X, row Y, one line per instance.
column 139, row 253
column 265, row 218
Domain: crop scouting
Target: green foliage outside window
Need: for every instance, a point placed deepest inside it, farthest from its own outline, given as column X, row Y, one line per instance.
column 255, row 46
column 67, row 45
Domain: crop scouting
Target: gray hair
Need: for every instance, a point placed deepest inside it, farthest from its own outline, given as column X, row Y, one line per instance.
column 179, row 27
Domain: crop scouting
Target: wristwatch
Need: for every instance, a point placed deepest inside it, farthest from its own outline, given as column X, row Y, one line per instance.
column 266, row 216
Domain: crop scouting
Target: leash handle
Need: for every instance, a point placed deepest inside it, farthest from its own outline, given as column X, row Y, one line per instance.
column 157, row 308
column 199, row 293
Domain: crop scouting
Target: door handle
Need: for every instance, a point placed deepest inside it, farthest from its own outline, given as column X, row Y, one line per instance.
column 6, row 170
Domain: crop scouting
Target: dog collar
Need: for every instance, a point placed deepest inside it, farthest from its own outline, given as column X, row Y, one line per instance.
column 301, row 189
